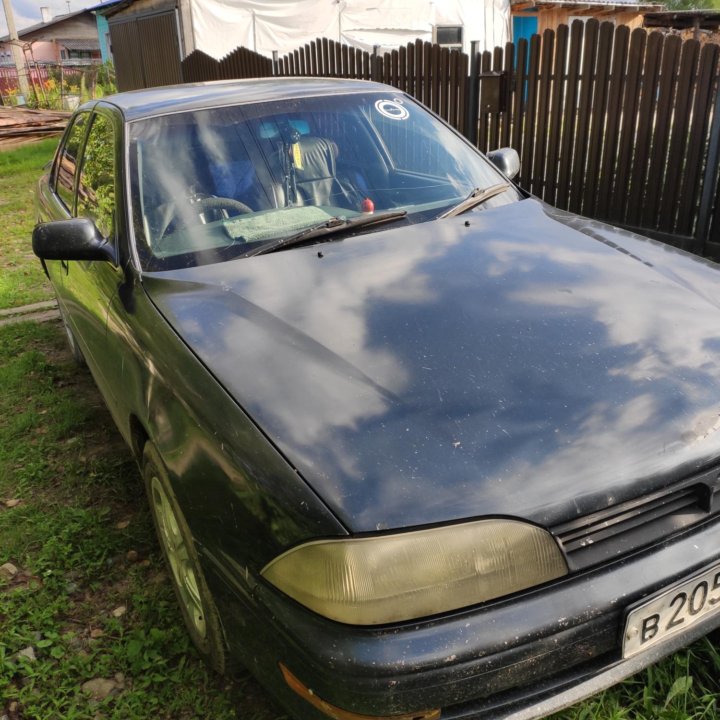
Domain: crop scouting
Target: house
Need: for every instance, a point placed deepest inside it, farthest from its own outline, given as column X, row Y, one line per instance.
column 149, row 37
column 536, row 16
column 67, row 39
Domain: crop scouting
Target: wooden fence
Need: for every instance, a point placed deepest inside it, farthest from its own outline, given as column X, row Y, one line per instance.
column 619, row 126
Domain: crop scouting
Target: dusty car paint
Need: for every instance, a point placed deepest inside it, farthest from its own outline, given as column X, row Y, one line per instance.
column 444, row 371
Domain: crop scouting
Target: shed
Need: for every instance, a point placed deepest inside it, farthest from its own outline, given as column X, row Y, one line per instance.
column 150, row 37
column 536, row 16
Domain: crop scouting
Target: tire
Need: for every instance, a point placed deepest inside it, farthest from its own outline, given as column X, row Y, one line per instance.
column 196, row 603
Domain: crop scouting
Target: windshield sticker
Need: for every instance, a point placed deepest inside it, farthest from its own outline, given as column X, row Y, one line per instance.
column 392, row 109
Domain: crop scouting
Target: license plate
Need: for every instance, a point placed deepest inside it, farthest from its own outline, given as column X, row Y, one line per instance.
column 676, row 609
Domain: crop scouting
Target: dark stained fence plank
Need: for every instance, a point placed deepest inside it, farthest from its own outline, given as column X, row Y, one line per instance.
column 658, row 157
column 567, row 141
column 453, row 90
column 518, row 107
column 707, row 230
column 543, row 106
column 507, row 94
column 484, row 121
column 395, row 68
column 435, row 78
column 325, row 58
column 697, row 138
column 339, row 66
column 472, row 114
column 410, row 70
column 556, row 108
column 402, row 68
column 462, row 73
column 582, row 127
column 444, row 76
column 646, row 116
column 530, row 114
column 597, row 121
column 631, row 94
column 614, row 111
column 679, row 134
column 494, row 119
column 426, row 74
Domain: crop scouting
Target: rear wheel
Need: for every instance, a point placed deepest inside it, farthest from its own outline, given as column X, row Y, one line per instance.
column 196, row 603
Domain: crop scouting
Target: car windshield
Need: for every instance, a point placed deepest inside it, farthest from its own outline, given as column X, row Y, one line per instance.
column 214, row 184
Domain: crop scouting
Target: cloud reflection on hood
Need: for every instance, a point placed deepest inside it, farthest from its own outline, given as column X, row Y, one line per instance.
column 439, row 372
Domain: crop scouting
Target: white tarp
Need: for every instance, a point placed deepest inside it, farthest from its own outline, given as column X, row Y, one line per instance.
column 219, row 26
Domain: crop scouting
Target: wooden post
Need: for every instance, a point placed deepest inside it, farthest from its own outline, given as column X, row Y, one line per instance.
column 18, row 57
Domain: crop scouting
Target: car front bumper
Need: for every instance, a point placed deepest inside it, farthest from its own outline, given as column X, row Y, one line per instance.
column 523, row 657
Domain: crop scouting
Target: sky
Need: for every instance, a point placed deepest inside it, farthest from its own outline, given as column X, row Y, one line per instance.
column 27, row 12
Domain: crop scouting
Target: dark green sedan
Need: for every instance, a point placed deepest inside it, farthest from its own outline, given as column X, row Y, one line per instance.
column 417, row 445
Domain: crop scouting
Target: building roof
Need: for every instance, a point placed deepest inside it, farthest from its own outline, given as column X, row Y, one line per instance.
column 79, row 44
column 607, row 6
column 103, row 8
column 57, row 20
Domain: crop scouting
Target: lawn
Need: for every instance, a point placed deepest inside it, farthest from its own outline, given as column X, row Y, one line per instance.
column 89, row 628
column 21, row 277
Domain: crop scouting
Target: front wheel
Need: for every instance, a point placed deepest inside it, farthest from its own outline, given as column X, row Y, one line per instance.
column 196, row 603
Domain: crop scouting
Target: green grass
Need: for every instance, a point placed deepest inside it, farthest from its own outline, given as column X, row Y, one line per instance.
column 21, row 277
column 84, row 545
column 83, row 542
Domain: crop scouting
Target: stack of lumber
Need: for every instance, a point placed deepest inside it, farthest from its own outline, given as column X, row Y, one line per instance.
column 22, row 124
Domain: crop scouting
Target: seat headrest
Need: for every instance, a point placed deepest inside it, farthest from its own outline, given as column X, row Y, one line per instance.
column 314, row 159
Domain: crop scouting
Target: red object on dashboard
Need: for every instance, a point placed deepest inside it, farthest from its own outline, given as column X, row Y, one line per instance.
column 367, row 206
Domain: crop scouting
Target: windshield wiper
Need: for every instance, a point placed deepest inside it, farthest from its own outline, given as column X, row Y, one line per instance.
column 328, row 227
column 477, row 197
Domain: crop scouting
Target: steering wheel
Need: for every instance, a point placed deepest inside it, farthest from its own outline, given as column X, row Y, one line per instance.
column 220, row 203
column 199, row 204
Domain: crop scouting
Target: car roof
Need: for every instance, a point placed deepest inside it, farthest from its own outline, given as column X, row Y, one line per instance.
column 138, row 104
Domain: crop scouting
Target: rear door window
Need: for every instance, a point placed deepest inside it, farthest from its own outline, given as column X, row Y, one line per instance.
column 66, row 168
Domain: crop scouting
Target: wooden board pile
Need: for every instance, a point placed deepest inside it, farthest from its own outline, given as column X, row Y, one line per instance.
column 18, row 125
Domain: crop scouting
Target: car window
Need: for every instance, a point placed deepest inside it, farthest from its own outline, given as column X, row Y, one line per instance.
column 212, row 184
column 96, row 186
column 411, row 148
column 67, row 162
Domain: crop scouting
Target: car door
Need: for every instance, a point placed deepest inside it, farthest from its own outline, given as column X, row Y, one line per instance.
column 57, row 196
column 89, row 287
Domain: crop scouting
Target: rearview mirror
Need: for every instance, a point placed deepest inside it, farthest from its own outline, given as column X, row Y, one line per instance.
column 76, row 239
column 506, row 160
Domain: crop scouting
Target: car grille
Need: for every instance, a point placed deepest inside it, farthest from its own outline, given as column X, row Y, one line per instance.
column 618, row 529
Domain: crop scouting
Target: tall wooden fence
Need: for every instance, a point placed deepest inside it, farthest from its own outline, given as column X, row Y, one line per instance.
column 619, row 126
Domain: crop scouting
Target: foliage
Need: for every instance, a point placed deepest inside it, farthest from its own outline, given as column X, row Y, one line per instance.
column 692, row 4
column 21, row 277
column 79, row 533
column 83, row 83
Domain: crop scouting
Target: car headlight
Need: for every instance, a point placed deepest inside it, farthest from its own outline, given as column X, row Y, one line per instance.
column 409, row 575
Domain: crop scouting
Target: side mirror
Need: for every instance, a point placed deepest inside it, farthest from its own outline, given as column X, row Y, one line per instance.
column 76, row 239
column 506, row 160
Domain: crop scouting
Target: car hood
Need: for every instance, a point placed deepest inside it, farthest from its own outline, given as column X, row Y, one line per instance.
column 515, row 361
